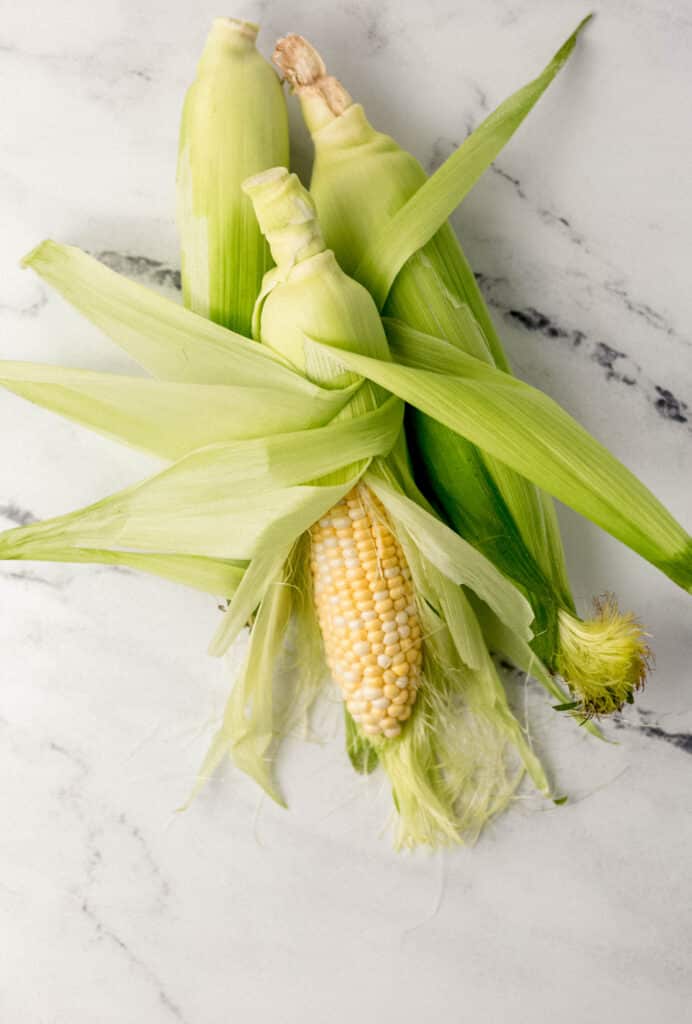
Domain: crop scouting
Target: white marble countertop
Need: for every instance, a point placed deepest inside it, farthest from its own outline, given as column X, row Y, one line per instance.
column 114, row 908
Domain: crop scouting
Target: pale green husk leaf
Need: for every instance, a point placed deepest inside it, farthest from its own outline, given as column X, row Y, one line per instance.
column 225, row 501
column 167, row 340
column 169, row 419
column 428, row 209
column 529, row 432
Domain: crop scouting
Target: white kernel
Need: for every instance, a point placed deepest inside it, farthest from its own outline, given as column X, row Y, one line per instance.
column 341, row 522
column 357, row 717
column 404, row 631
column 373, row 730
column 401, row 618
column 368, row 616
column 326, row 522
column 355, row 513
column 334, row 599
column 384, row 661
column 380, row 595
column 338, row 620
column 356, row 707
column 389, row 627
column 381, row 702
column 371, row 692
column 355, row 625
column 351, row 563
column 401, row 682
column 388, row 573
column 411, row 609
column 361, row 648
column 349, row 676
column 331, row 542
column 389, row 733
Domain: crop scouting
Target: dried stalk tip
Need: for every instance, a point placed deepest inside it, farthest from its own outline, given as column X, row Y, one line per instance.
column 603, row 660
column 305, row 71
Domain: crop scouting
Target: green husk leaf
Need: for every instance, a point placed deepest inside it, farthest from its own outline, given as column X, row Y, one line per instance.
column 247, row 730
column 170, row 342
column 361, row 753
column 428, row 209
column 529, row 432
column 169, row 419
column 457, row 560
column 211, row 575
column 226, row 501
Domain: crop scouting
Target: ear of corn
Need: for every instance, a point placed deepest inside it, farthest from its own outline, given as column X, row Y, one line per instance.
column 384, row 218
column 234, row 124
column 362, row 581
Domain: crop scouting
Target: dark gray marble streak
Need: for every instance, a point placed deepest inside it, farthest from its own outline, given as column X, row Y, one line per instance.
column 73, row 795
column 646, row 724
column 17, row 515
column 617, row 365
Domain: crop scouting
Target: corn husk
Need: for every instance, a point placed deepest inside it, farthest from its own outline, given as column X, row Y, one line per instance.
column 234, row 124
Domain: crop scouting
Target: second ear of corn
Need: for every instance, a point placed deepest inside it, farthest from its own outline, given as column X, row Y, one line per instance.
column 360, row 179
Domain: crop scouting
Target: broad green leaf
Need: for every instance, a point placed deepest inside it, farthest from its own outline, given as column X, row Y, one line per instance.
column 259, row 575
column 428, row 208
column 247, row 730
column 210, row 575
column 522, row 427
column 170, row 342
column 170, row 419
column 225, row 501
column 455, row 558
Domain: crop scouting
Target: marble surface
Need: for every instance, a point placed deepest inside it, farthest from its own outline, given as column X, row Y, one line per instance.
column 114, row 908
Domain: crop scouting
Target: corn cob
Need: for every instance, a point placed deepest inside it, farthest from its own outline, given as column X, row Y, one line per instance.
column 361, row 178
column 234, row 124
column 366, row 610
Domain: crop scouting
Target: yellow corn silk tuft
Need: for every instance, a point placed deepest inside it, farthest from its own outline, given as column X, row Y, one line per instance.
column 605, row 658
column 366, row 608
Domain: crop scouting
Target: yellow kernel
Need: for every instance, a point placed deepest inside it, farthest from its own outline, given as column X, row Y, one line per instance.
column 405, row 713
column 401, row 697
column 389, row 563
column 391, row 691
column 401, row 669
column 412, row 656
column 388, row 723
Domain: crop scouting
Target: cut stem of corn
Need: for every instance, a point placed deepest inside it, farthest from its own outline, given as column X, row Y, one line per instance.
column 367, row 612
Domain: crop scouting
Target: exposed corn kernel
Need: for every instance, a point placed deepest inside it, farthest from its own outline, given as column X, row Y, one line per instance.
column 365, row 606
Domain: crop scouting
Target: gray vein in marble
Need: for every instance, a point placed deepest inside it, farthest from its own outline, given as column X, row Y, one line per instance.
column 16, row 514
column 73, row 795
column 28, row 576
column 144, row 269
column 649, row 727
column 616, row 364
column 616, row 288
column 372, row 17
column 31, row 309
